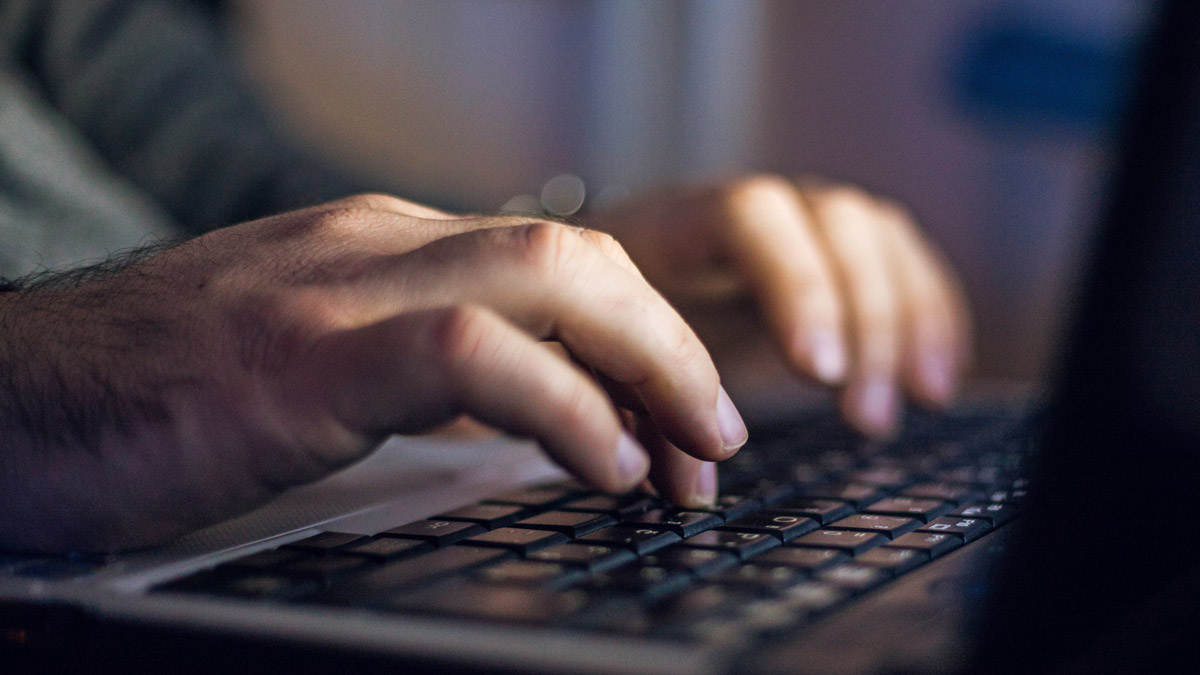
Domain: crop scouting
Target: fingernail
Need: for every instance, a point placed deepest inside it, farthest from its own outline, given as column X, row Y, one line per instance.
column 876, row 404
column 827, row 355
column 729, row 421
column 632, row 461
column 706, row 484
column 935, row 374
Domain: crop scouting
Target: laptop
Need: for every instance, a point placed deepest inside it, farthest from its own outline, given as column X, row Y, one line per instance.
column 1011, row 535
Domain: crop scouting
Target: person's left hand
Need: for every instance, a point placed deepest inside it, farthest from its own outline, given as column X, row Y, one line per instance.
column 850, row 292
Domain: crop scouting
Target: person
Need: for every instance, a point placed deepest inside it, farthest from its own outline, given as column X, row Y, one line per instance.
column 182, row 384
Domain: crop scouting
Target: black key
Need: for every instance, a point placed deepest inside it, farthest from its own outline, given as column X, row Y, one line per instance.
column 759, row 577
column 323, row 569
column 910, row 507
column 891, row 477
column 387, row 548
column 969, row 529
column 593, row 557
column 891, row 526
column 259, row 586
column 933, row 544
column 263, row 561
column 894, row 561
column 1012, row 496
column 956, row 493
column 996, row 514
column 729, row 507
column 744, row 544
column 698, row 561
column 546, row 575
column 543, row 496
column 325, row 541
column 823, row 511
column 437, row 532
column 785, row 526
column 807, row 559
column 812, row 597
column 857, row 494
column 683, row 523
column 648, row 581
column 517, row 539
column 401, row 574
column 842, row 540
column 642, row 541
column 769, row 492
column 492, row 602
column 572, row 524
column 490, row 516
column 852, row 577
column 618, row 506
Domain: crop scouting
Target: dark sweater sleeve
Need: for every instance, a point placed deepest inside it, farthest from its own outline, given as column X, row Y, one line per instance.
column 154, row 88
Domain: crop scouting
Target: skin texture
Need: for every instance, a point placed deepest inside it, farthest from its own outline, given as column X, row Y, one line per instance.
column 196, row 384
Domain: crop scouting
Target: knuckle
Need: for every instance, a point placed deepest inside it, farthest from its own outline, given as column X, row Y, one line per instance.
column 461, row 336
column 548, row 249
column 757, row 187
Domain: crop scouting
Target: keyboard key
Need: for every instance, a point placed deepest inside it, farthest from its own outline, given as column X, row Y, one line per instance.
column 969, row 529
column 622, row 507
column 894, row 561
column 852, row 577
column 824, row 511
column 260, row 586
column 933, row 544
column 323, row 542
column 729, row 507
column 438, row 532
column 759, row 577
column 642, row 541
column 572, row 524
column 683, row 523
column 387, row 548
column 517, row 539
column 541, row 497
column 323, row 569
column 857, row 494
column 955, row 493
column 546, row 575
column 372, row 585
column 785, row 526
column 744, row 544
column 910, row 507
column 491, row 602
column 842, row 540
column 890, row 477
column 996, row 514
column 490, row 516
column 891, row 526
column 698, row 561
column 813, row 598
column 646, row 581
column 263, row 561
column 593, row 558
column 807, row 559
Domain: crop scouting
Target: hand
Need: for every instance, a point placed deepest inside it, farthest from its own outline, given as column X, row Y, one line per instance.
column 849, row 290
column 204, row 380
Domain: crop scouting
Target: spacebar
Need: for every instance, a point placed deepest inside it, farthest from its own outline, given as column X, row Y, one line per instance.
column 371, row 586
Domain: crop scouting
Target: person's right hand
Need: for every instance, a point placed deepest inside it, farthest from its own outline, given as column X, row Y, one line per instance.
column 200, row 382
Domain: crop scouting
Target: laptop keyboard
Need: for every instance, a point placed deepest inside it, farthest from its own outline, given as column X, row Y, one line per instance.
column 810, row 517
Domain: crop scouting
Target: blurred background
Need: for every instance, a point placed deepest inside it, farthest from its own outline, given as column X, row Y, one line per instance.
column 990, row 120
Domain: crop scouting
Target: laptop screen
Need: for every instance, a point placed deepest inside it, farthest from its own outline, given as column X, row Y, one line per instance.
column 1099, row 578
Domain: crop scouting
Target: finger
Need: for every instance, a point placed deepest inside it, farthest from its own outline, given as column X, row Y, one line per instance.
column 851, row 229
column 935, row 317
column 555, row 284
column 774, row 246
column 416, row 371
column 676, row 476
